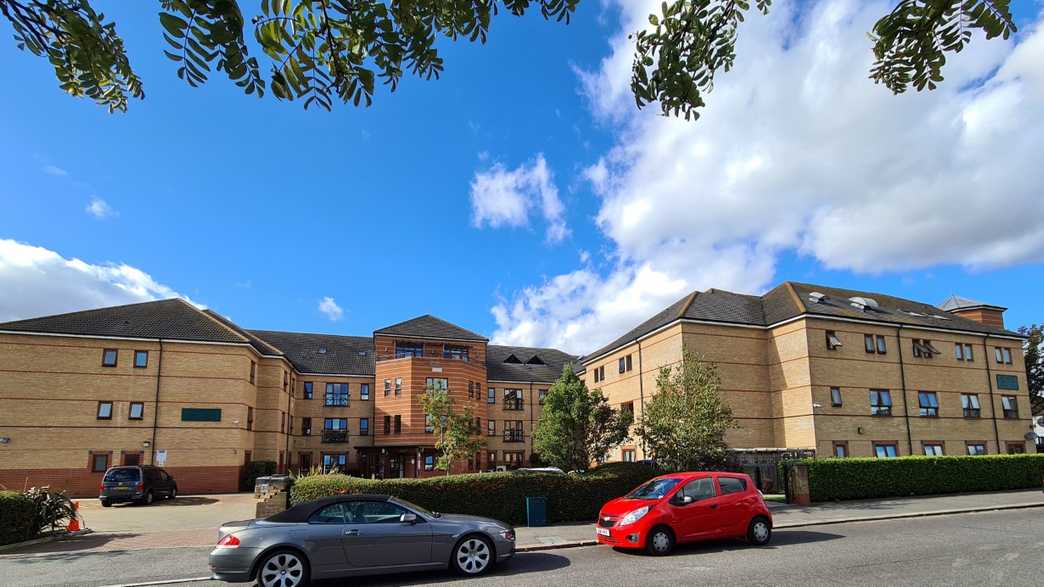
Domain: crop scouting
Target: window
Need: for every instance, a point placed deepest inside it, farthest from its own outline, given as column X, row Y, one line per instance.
column 628, row 362
column 881, row 347
column 364, row 426
column 929, row 403
column 478, row 426
column 398, row 386
column 976, row 448
column 459, row 353
column 1015, row 448
column 963, row 352
column 253, row 372
column 131, row 459
column 332, row 462
column 880, row 402
column 923, row 348
column 832, row 341
column 306, row 426
column 387, row 387
column 429, row 462
column 491, row 428
column 513, row 458
column 436, row 384
column 429, row 423
column 698, row 489
column 970, row 405
column 932, row 449
column 731, row 485
column 1010, row 405
column 625, row 364
column 105, row 410
column 408, row 349
column 478, row 390
column 840, row 449
column 141, row 359
column 875, row 344
column 491, row 396
column 541, row 395
column 628, row 407
column 286, row 381
column 868, row 342
column 1003, row 355
column 387, row 424
column 886, row 450
column 200, row 414
column 599, row 374
column 110, row 357
column 282, row 422
column 622, row 365
column 336, row 394
column 100, row 461
column 250, row 418
column 335, row 423
column 1008, row 382
column 513, row 431
column 309, row 390
column 137, row 411
column 629, row 455
column 398, row 424
column 471, row 390
column 835, row 397
column 513, row 399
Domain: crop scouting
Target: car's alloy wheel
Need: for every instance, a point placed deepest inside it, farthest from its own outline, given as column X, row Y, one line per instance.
column 660, row 542
column 472, row 556
column 173, row 493
column 760, row 532
column 148, row 498
column 283, row 569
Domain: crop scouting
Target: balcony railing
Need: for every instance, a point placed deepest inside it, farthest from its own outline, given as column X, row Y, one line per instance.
column 335, row 436
column 513, row 436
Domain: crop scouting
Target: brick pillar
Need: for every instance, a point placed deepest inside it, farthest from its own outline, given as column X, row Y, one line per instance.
column 797, row 485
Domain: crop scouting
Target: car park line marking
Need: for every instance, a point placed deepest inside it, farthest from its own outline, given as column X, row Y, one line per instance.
column 164, row 582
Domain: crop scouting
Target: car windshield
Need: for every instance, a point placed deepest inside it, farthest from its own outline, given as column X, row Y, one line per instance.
column 417, row 508
column 123, row 475
column 655, row 489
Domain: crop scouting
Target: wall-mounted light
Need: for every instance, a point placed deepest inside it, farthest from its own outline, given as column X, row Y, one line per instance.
column 146, row 444
column 859, row 430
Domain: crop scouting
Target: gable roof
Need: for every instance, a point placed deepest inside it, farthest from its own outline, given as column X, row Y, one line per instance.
column 428, row 326
column 345, row 355
column 956, row 302
column 791, row 299
column 499, row 370
column 173, row 319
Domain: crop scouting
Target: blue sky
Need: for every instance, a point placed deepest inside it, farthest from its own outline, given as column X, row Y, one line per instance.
column 259, row 209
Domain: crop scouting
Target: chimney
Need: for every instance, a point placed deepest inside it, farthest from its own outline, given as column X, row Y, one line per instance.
column 987, row 314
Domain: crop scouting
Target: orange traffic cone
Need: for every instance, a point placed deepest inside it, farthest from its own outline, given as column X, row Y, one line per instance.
column 74, row 520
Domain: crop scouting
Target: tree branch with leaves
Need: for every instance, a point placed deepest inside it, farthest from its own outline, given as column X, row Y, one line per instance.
column 455, row 434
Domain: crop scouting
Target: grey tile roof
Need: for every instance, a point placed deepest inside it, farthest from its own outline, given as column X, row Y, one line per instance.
column 956, row 302
column 791, row 299
column 428, row 326
column 349, row 355
column 259, row 345
column 498, row 370
column 173, row 319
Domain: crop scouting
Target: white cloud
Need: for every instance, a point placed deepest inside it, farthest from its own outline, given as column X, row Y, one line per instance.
column 329, row 307
column 99, row 208
column 503, row 197
column 54, row 170
column 798, row 151
column 36, row 281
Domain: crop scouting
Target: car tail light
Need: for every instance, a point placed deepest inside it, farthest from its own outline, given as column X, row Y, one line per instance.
column 141, row 486
column 508, row 535
column 101, row 487
column 228, row 541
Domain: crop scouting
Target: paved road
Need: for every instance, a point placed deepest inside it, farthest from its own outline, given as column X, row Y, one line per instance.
column 995, row 548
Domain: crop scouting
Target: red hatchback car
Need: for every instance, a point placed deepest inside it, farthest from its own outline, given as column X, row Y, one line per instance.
column 685, row 507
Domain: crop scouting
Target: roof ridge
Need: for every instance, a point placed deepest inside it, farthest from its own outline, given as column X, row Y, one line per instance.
column 59, row 315
column 793, row 292
column 210, row 317
column 687, row 304
column 255, row 330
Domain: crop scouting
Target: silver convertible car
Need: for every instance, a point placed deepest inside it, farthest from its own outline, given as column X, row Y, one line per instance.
column 356, row 535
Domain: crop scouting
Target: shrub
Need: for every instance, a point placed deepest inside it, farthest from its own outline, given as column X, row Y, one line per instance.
column 864, row 478
column 51, row 508
column 254, row 470
column 17, row 515
column 570, row 497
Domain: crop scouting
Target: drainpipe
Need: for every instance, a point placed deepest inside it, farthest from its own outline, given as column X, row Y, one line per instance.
column 532, row 408
column 289, row 420
column 641, row 390
column 155, row 407
column 989, row 383
column 906, row 398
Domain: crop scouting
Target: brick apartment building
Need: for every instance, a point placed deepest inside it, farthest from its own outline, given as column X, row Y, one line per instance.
column 812, row 367
column 845, row 373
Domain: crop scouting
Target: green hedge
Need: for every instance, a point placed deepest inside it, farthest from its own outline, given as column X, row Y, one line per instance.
column 571, row 497
column 17, row 515
column 865, row 478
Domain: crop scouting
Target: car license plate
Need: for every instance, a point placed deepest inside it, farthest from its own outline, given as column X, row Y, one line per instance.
column 602, row 531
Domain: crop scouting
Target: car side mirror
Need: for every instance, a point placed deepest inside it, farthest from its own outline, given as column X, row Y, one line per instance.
column 682, row 500
column 408, row 518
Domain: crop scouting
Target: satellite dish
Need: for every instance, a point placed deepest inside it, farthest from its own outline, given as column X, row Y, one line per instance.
column 1031, row 436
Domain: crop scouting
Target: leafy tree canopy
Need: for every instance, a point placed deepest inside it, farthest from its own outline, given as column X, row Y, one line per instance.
column 325, row 50
column 455, row 434
column 1034, row 354
column 684, row 424
column 577, row 426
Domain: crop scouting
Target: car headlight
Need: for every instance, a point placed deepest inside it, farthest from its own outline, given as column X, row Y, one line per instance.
column 634, row 516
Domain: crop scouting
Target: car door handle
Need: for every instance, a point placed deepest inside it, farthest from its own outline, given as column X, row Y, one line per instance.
column 713, row 506
column 351, row 532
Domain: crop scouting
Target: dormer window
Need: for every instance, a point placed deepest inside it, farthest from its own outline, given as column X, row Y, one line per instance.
column 535, row 360
column 513, row 360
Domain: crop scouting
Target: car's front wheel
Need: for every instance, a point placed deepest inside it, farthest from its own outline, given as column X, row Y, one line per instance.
column 173, row 493
column 759, row 532
column 283, row 569
column 660, row 541
column 472, row 556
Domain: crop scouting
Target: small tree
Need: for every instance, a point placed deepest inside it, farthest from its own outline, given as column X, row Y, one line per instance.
column 684, row 424
column 1034, row 346
column 455, row 433
column 577, row 426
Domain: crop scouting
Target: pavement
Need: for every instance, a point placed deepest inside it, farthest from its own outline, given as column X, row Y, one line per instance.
column 192, row 521
column 1001, row 548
